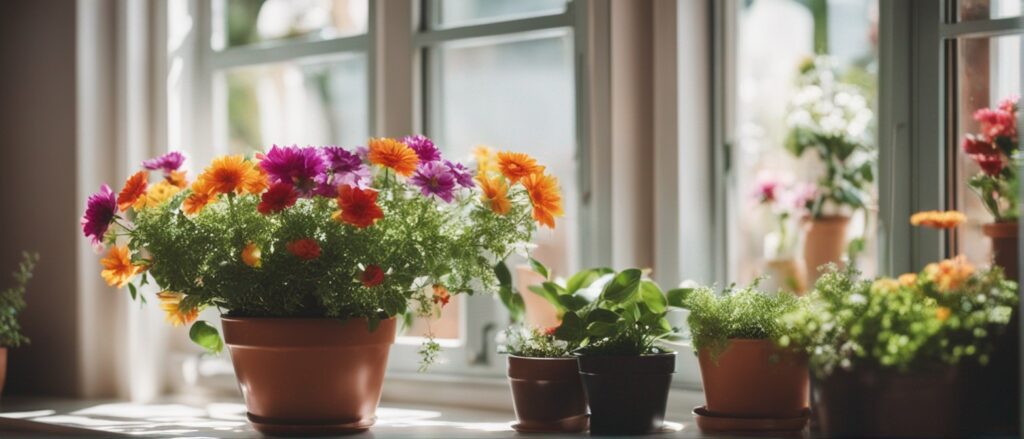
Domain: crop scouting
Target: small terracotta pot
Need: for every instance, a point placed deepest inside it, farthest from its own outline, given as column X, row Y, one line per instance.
column 627, row 395
column 824, row 242
column 309, row 375
column 3, row 369
column 784, row 274
column 878, row 403
column 755, row 379
column 547, row 394
column 1004, row 246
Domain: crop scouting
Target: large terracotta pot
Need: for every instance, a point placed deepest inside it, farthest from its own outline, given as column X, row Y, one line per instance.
column 881, row 403
column 311, row 376
column 755, row 379
column 824, row 242
column 3, row 369
column 627, row 395
column 547, row 394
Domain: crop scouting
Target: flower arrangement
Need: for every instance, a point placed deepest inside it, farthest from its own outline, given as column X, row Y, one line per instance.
column 947, row 314
column 994, row 149
column 391, row 229
column 834, row 120
column 787, row 200
column 12, row 302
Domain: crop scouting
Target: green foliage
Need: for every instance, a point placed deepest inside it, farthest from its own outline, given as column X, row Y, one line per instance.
column 907, row 324
column 736, row 313
column 206, row 336
column 12, row 302
column 522, row 341
column 998, row 193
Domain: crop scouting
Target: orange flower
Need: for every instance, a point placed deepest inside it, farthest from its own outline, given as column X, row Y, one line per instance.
column 495, row 193
column 201, row 196
column 485, row 160
column 942, row 313
column 305, row 249
column 938, row 219
column 232, row 173
column 156, row 195
column 441, row 295
column 358, row 206
column 118, row 268
column 950, row 274
column 177, row 178
column 393, row 154
column 170, row 302
column 908, row 279
column 516, row 165
column 546, row 198
column 252, row 256
column 134, row 188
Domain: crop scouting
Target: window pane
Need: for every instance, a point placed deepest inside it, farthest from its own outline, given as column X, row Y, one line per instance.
column 987, row 9
column 451, row 13
column 516, row 94
column 801, row 89
column 305, row 103
column 989, row 75
column 241, row 22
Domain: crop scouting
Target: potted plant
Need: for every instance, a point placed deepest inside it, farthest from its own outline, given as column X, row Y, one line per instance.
column 12, row 302
column 834, row 120
column 750, row 383
column 547, row 392
column 885, row 354
column 310, row 254
column 785, row 200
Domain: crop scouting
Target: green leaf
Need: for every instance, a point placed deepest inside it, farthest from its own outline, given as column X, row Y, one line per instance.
column 623, row 286
column 571, row 328
column 602, row 315
column 677, row 297
column 513, row 302
column 539, row 268
column 584, row 278
column 573, row 302
column 555, row 289
column 206, row 336
column 601, row 329
column 131, row 289
column 652, row 296
column 503, row 274
column 552, row 298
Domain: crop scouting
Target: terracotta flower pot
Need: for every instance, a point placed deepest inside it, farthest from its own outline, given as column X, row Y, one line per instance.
column 755, row 379
column 313, row 376
column 824, row 242
column 1004, row 246
column 547, row 394
column 783, row 274
column 874, row 403
column 627, row 395
column 3, row 369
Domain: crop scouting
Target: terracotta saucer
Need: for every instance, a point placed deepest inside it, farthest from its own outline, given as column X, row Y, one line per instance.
column 708, row 421
column 270, row 428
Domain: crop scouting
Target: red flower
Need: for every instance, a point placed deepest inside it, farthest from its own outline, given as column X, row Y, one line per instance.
column 305, row 249
column 441, row 295
column 550, row 330
column 358, row 206
column 977, row 145
column 997, row 123
column 279, row 197
column 991, row 164
column 372, row 276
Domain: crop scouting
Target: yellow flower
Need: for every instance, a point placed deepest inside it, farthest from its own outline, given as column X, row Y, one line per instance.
column 170, row 302
column 156, row 195
column 938, row 219
column 495, row 194
column 949, row 274
column 908, row 279
column 118, row 269
column 546, row 198
column 942, row 313
column 251, row 255
column 885, row 285
column 485, row 159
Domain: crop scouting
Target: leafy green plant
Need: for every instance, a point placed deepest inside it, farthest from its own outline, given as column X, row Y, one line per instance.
column 523, row 341
column 736, row 313
column 12, row 302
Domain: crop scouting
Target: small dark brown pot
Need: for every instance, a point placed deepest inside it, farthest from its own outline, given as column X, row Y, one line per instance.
column 309, row 376
column 627, row 395
column 547, row 394
column 755, row 379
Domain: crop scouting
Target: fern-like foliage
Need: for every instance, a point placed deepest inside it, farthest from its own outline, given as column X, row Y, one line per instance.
column 12, row 302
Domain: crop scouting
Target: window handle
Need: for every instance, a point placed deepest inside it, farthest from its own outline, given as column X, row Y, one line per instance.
column 482, row 356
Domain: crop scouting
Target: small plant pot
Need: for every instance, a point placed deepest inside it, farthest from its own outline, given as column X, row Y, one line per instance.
column 309, row 376
column 824, row 242
column 547, row 394
column 755, row 379
column 627, row 395
column 1005, row 252
column 3, row 369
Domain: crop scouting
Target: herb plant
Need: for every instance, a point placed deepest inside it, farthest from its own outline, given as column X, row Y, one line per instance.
column 523, row 341
column 12, row 302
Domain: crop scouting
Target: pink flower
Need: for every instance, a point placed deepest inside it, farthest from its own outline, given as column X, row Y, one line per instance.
column 99, row 213
column 802, row 195
column 767, row 188
column 1009, row 104
column 997, row 123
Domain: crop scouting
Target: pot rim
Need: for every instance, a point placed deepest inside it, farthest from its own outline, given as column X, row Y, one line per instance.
column 224, row 317
column 520, row 357
column 826, row 218
column 663, row 354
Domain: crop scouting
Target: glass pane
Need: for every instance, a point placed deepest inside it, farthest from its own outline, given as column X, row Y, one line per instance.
column 515, row 94
column 989, row 76
column 241, row 22
column 988, row 9
column 305, row 103
column 451, row 13
column 802, row 90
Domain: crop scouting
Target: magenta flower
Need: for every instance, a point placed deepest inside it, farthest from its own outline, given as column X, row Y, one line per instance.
column 424, row 148
column 169, row 162
column 99, row 213
column 296, row 166
column 342, row 168
column 802, row 195
column 462, row 174
column 435, row 178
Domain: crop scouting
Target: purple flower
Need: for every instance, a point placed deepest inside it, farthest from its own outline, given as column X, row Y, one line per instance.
column 363, row 152
column 462, row 174
column 99, row 213
column 435, row 178
column 168, row 162
column 424, row 148
column 296, row 166
column 343, row 168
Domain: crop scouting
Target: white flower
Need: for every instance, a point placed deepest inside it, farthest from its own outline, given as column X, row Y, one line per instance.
column 857, row 299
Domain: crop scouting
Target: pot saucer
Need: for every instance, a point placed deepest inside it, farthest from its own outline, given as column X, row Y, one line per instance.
column 270, row 428
column 574, row 424
column 708, row 421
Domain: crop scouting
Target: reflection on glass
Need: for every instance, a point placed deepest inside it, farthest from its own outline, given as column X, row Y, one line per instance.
column 322, row 103
column 988, row 9
column 778, row 90
column 450, row 13
column 989, row 75
column 242, row 22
